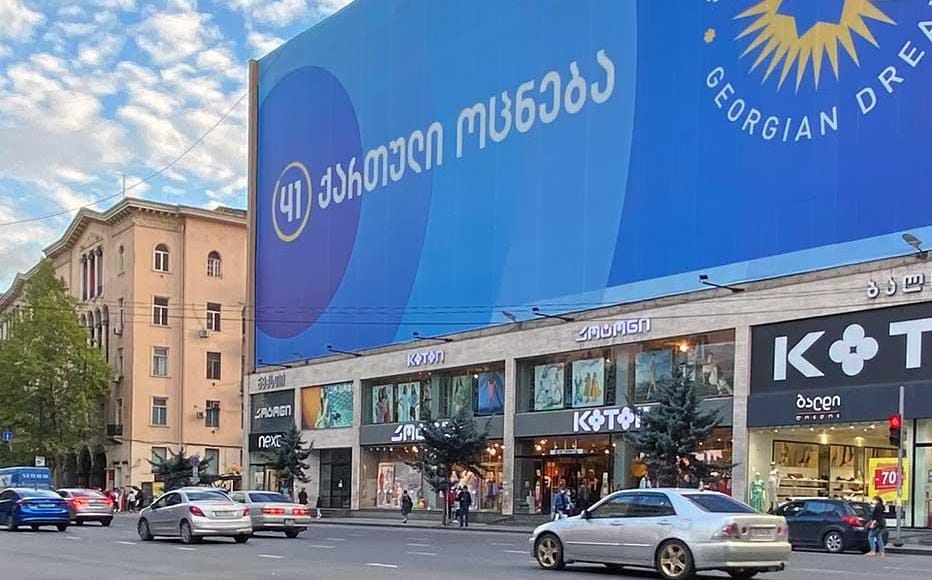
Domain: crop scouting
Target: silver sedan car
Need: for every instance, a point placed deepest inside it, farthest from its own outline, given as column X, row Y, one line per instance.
column 271, row 511
column 676, row 532
column 193, row 513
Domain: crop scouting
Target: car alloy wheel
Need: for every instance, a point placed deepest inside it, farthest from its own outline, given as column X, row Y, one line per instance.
column 186, row 536
column 834, row 542
column 142, row 528
column 241, row 538
column 674, row 561
column 549, row 552
column 62, row 527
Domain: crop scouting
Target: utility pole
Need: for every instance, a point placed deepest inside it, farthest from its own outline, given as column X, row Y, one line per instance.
column 899, row 475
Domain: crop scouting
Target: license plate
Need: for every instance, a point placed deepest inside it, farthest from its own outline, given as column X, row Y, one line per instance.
column 226, row 515
column 762, row 533
column 289, row 522
column 46, row 506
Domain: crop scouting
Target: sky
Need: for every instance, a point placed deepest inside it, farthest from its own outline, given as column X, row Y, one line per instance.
column 92, row 90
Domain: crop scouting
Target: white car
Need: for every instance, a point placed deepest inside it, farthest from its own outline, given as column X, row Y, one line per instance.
column 271, row 511
column 676, row 532
column 193, row 513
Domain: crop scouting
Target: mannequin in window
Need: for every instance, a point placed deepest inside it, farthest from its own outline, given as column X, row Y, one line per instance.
column 773, row 485
column 758, row 490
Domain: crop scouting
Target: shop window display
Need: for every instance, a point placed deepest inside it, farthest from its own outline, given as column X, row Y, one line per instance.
column 627, row 374
column 327, row 407
column 476, row 390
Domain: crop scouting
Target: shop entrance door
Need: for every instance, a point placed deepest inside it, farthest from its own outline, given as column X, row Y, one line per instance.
column 335, row 478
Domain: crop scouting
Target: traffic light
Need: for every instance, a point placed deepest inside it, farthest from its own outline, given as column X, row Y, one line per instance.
column 896, row 430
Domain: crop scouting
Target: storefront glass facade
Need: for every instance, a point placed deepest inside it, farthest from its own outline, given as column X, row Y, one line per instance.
column 627, row 374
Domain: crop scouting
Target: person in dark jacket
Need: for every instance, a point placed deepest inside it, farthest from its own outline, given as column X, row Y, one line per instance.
column 302, row 496
column 465, row 500
column 406, row 505
column 876, row 527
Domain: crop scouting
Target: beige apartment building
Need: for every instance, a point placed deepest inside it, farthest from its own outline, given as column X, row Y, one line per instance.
column 161, row 290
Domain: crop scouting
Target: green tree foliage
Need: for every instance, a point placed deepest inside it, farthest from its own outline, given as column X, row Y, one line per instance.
column 177, row 470
column 448, row 445
column 52, row 382
column 291, row 459
column 671, row 435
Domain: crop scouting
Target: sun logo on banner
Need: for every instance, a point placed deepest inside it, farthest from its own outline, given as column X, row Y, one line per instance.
column 796, row 32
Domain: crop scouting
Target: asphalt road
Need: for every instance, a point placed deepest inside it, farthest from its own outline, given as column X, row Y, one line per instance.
column 349, row 553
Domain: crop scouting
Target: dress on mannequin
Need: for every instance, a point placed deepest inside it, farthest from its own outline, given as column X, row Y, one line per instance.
column 758, row 491
column 773, row 484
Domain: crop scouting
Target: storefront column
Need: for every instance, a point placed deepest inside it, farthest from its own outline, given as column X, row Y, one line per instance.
column 508, row 441
column 739, row 476
column 355, row 477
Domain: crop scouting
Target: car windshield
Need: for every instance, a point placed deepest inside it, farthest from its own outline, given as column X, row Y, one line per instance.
column 269, row 497
column 38, row 493
column 207, row 496
column 718, row 504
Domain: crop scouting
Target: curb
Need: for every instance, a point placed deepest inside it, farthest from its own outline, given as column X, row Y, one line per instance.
column 439, row 528
column 907, row 550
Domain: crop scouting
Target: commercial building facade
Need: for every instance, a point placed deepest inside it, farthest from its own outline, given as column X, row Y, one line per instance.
column 558, row 396
column 160, row 289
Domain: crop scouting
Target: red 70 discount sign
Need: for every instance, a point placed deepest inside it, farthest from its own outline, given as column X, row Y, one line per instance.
column 885, row 478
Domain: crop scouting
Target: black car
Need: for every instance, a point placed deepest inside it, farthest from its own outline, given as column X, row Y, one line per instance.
column 835, row 525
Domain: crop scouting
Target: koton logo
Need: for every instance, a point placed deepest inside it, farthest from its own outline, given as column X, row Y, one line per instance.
column 425, row 358
column 817, row 408
column 273, row 412
column 606, row 419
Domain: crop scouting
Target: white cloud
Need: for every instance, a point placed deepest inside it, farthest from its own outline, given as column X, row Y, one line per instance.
column 72, row 174
column 18, row 20
column 171, row 37
column 263, row 43
column 5, row 51
column 105, row 48
column 72, row 11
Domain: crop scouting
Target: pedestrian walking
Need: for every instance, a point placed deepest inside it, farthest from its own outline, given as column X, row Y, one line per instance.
column 562, row 504
column 406, row 505
column 116, row 499
column 875, row 527
column 131, row 500
column 465, row 501
column 451, row 505
column 319, row 515
column 302, row 496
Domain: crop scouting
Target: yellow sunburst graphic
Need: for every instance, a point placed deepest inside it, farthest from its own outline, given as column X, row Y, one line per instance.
column 782, row 43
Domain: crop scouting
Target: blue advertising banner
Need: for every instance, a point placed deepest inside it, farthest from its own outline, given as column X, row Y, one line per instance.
column 424, row 165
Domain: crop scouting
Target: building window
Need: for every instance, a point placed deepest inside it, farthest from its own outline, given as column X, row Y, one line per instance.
column 160, row 361
column 121, row 260
column 119, row 361
column 213, row 316
column 213, row 264
column 213, row 366
column 160, row 311
column 212, row 416
column 161, row 258
column 118, row 412
column 212, row 458
column 158, row 455
column 99, row 254
column 159, row 411
column 84, row 270
column 122, row 313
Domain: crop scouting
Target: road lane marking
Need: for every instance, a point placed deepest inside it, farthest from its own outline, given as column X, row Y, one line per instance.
column 126, row 543
column 73, row 537
column 272, row 556
column 378, row 565
column 183, row 549
column 322, row 546
column 335, row 539
column 522, row 552
column 418, row 545
column 502, row 544
column 824, row 571
column 422, row 553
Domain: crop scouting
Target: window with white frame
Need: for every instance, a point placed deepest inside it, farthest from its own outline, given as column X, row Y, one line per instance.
column 213, row 366
column 160, row 311
column 159, row 410
column 214, row 264
column 161, row 258
column 213, row 316
column 160, row 361
column 212, row 416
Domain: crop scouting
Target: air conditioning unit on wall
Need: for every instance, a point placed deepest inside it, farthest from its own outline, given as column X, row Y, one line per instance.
column 199, row 414
column 203, row 333
column 118, row 329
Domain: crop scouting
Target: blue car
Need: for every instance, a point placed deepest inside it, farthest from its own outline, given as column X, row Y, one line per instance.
column 33, row 507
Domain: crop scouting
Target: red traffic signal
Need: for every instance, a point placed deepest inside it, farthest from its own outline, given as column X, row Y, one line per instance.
column 896, row 424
